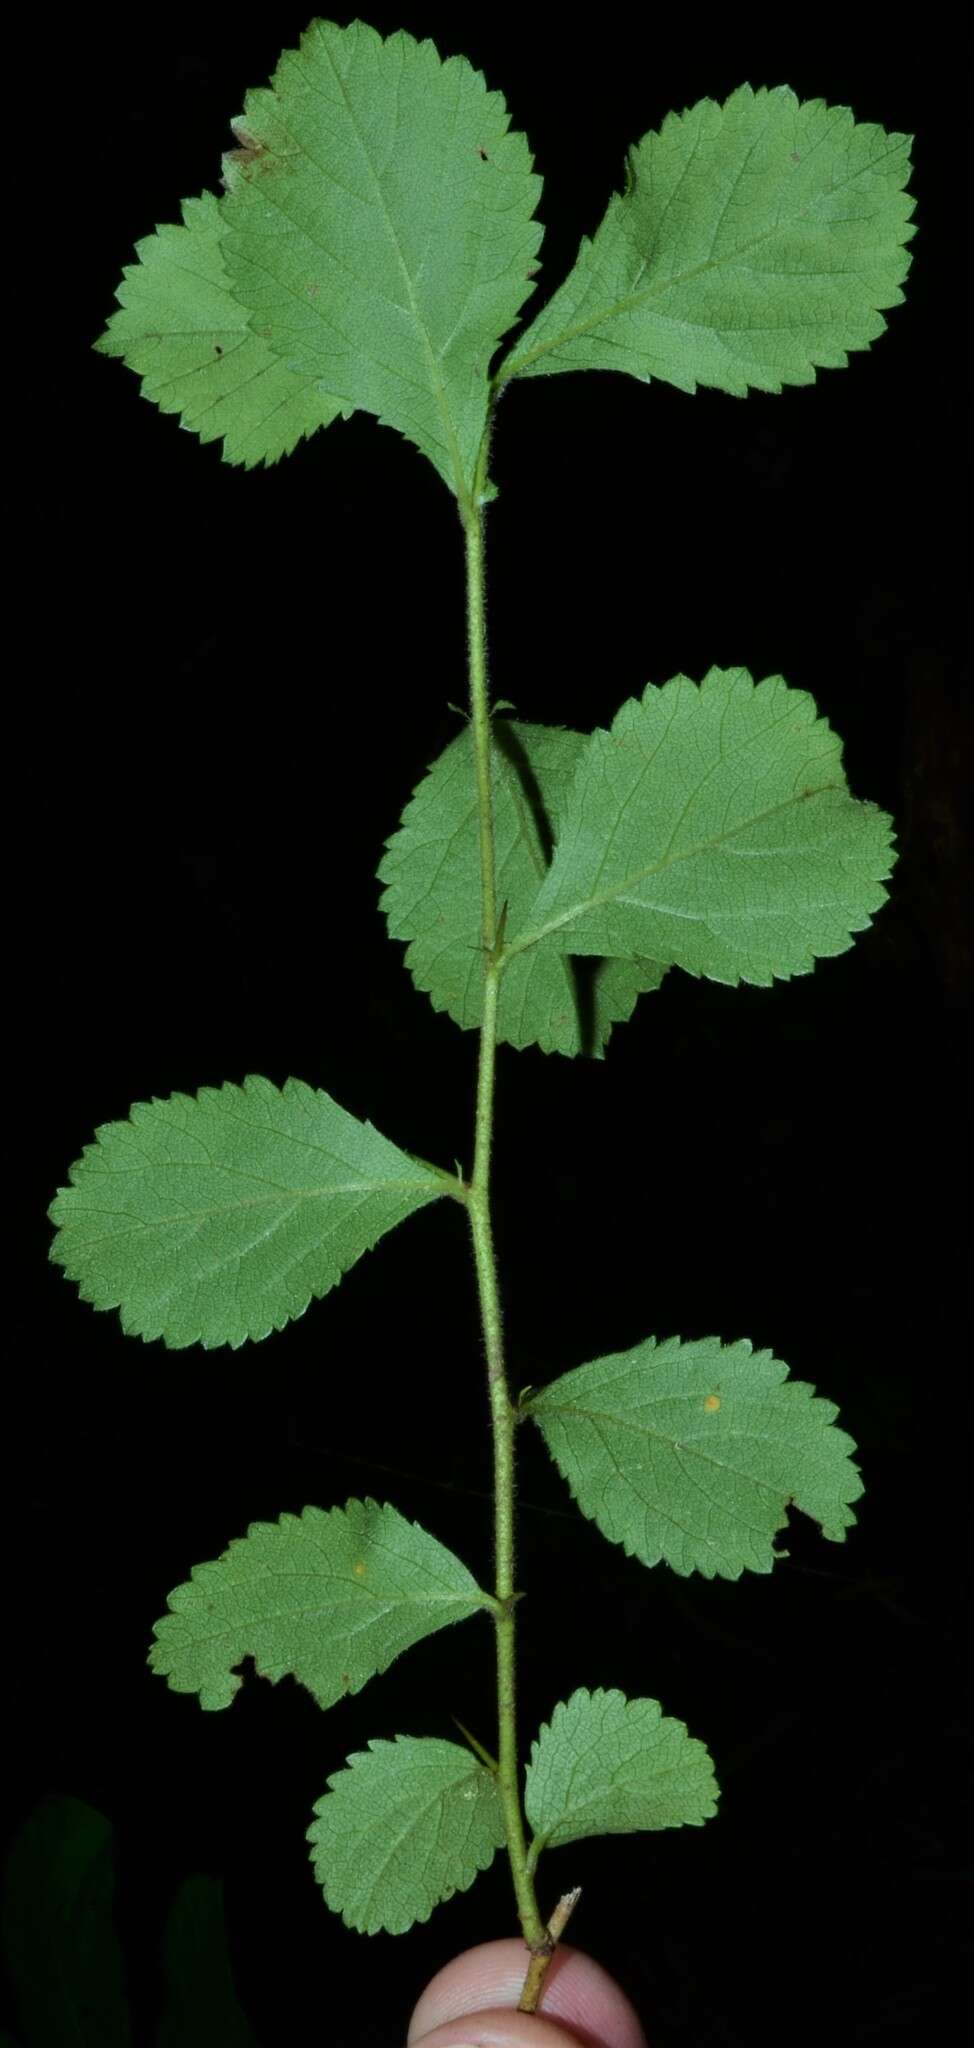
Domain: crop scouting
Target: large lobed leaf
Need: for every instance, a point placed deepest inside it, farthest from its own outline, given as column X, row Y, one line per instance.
column 606, row 1765
column 180, row 328
column 431, row 870
column 406, row 1825
column 212, row 1218
column 754, row 243
column 329, row 1598
column 60, row 1944
column 380, row 232
column 692, row 1452
column 711, row 828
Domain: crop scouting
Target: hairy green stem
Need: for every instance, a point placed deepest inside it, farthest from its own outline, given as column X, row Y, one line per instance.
column 502, row 1413
column 480, row 721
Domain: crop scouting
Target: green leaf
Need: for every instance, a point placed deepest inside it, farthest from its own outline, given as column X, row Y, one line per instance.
column 202, row 2008
column 711, row 828
column 181, row 329
column 381, row 232
column 329, row 1598
column 693, row 1452
column 432, row 897
column 409, row 1823
column 610, row 1766
column 754, row 243
column 59, row 1941
column 212, row 1218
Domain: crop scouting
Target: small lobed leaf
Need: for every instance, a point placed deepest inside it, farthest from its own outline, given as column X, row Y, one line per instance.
column 431, row 869
column 692, row 1452
column 406, row 1825
column 605, row 1765
column 755, row 242
column 179, row 327
column 212, row 1218
column 202, row 2007
column 327, row 1597
column 60, row 1945
column 711, row 828
column 381, row 232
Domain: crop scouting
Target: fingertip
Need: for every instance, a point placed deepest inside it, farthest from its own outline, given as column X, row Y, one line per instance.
column 472, row 2003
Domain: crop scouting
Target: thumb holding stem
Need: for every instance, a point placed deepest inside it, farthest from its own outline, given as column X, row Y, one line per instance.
column 472, row 2003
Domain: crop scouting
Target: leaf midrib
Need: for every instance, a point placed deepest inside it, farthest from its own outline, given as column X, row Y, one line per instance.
column 435, row 381
column 202, row 1215
column 611, row 1421
column 324, row 1609
column 655, row 867
column 598, row 1797
column 614, row 308
column 408, row 1826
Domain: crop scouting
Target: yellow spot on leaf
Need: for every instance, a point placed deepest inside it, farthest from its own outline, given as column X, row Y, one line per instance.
column 359, row 1570
column 712, row 1403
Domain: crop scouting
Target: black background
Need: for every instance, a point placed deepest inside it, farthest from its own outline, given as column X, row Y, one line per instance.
column 227, row 686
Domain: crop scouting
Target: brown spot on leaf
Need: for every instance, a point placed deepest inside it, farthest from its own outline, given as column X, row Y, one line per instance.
column 712, row 1403
column 482, row 153
column 250, row 145
column 253, row 156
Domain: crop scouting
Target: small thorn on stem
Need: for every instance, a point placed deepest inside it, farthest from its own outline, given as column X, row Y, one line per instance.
column 477, row 1747
column 495, row 951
